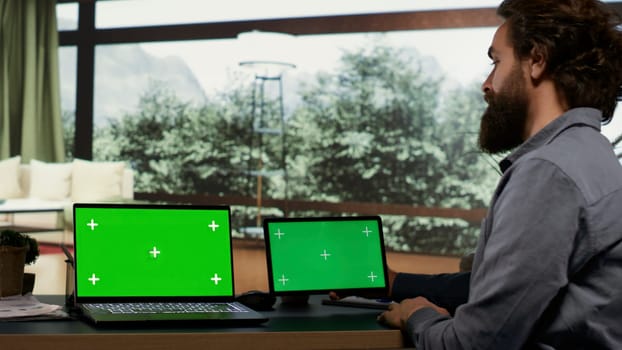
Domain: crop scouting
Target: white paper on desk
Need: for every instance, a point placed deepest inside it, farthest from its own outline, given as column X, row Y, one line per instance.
column 25, row 306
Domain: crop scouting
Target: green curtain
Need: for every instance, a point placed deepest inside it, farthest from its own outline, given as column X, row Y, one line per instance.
column 30, row 112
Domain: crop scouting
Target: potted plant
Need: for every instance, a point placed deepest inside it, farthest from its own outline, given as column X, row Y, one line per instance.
column 16, row 251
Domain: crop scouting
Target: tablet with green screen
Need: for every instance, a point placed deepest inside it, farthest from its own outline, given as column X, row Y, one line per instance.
column 322, row 254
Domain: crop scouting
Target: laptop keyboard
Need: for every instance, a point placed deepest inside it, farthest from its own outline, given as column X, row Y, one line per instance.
column 142, row 308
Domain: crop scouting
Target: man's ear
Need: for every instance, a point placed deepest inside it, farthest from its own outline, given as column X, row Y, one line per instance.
column 537, row 63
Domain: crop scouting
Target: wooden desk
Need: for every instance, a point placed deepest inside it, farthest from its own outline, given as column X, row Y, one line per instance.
column 313, row 326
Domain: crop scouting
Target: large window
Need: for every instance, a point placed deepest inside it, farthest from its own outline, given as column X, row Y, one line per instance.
column 379, row 111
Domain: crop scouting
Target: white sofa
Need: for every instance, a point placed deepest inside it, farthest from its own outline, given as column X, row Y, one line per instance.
column 40, row 185
column 127, row 182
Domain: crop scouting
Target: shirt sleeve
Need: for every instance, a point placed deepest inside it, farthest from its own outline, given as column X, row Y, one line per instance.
column 521, row 264
column 445, row 290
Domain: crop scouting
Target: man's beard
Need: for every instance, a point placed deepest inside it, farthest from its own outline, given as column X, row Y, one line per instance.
column 503, row 122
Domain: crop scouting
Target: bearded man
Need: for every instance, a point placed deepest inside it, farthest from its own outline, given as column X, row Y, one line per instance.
column 547, row 271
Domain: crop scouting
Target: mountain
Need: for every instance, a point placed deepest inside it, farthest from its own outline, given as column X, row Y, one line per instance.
column 123, row 73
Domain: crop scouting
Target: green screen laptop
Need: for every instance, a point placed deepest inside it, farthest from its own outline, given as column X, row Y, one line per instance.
column 318, row 255
column 130, row 259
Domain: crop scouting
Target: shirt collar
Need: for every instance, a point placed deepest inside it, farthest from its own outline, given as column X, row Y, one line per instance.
column 577, row 116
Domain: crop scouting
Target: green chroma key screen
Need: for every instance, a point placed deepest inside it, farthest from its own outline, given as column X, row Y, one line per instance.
column 325, row 254
column 152, row 251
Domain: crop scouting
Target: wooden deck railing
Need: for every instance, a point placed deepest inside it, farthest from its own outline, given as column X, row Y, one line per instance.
column 287, row 206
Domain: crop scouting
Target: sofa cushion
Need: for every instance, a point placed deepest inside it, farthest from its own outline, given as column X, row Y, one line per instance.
column 50, row 181
column 96, row 181
column 9, row 178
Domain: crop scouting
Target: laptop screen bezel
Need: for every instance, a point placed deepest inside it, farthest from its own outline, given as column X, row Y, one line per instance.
column 362, row 291
column 114, row 299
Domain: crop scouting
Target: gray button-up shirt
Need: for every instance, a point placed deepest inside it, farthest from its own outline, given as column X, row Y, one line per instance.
column 548, row 266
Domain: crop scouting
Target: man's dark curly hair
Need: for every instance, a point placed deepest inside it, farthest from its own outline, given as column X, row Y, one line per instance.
column 581, row 43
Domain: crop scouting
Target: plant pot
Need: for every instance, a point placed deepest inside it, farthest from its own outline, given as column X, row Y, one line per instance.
column 12, row 261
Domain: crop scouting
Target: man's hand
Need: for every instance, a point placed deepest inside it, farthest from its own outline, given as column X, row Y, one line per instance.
column 398, row 314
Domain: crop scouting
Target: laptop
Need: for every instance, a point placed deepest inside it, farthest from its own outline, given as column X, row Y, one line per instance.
column 148, row 262
column 322, row 254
